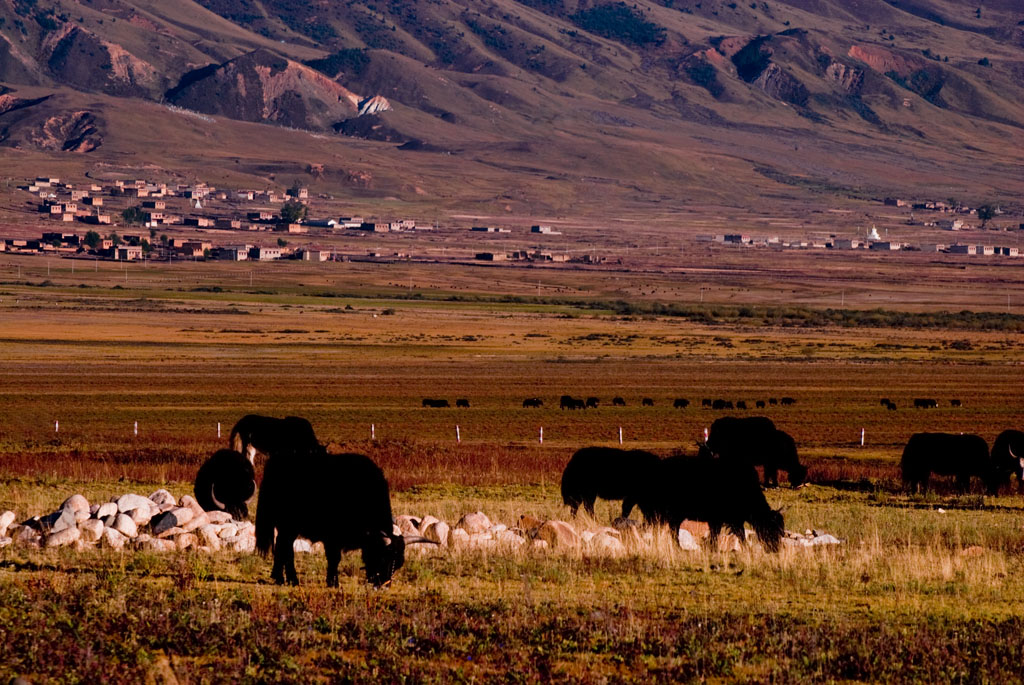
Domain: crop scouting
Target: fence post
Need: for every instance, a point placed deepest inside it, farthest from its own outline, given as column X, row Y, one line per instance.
column 56, row 426
column 373, row 432
column 136, row 428
column 861, row 437
column 620, row 435
column 458, row 435
column 218, row 430
column 542, row 435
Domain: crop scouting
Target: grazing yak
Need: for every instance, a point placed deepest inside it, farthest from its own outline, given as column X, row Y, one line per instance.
column 925, row 403
column 570, row 402
column 713, row 491
column 1008, row 456
column 463, row 403
column 647, row 402
column 741, row 404
column 760, row 404
column 618, row 402
column 947, row 454
column 681, row 403
column 755, row 441
column 226, row 482
column 533, row 403
column 435, row 404
column 341, row 500
column 592, row 402
column 605, row 472
column 787, row 401
column 268, row 436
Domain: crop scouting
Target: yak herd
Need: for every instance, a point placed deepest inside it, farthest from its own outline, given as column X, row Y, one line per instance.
column 343, row 500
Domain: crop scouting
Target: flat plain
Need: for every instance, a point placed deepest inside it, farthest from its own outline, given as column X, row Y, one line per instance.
column 923, row 588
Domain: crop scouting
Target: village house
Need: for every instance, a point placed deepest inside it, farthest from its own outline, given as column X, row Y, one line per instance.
column 984, row 249
column 490, row 229
column 224, row 222
column 1008, row 251
column 895, row 202
column 93, row 201
column 737, row 238
column 884, row 245
column 201, row 221
column 262, row 216
column 375, row 226
column 264, row 254
column 932, row 247
column 315, row 254
column 491, row 256
column 234, row 253
column 79, row 195
column 244, row 195
column 350, row 222
column 547, row 230
column 128, row 252
column 132, row 191
column 951, row 224
column 321, row 223
column 846, row 244
column 403, row 225
column 544, row 256
column 153, row 218
column 290, row 228
column 47, row 181
column 155, row 204
column 962, row 249
column 50, row 237
column 193, row 248
column 97, row 218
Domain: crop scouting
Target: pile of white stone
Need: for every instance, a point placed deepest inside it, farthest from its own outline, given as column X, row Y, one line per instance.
column 158, row 523
column 810, row 538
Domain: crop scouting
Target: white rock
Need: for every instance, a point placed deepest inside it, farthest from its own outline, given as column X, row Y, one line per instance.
column 6, row 519
column 509, row 539
column 188, row 501
column 587, row 536
column 141, row 516
column 437, row 531
column 60, row 520
column 407, row 525
column 132, row 501
column 826, row 539
column 458, row 537
column 497, row 528
column 157, row 545
column 106, row 509
column 184, row 514
column 302, row 545
column 5, row 541
column 124, row 525
column 425, row 522
column 482, row 541
column 606, row 545
column 170, row 533
column 161, row 496
column 218, row 516
column 93, row 508
column 539, row 544
column 185, row 540
column 474, row 523
column 246, row 528
column 208, row 536
column 241, row 543
column 197, row 522
column 112, row 538
column 228, row 530
column 63, row 537
column 92, row 530
column 76, row 503
column 686, row 541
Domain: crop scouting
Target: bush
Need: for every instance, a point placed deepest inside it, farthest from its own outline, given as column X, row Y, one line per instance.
column 620, row 22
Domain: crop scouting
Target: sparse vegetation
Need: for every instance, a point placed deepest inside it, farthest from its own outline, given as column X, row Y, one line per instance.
column 620, row 22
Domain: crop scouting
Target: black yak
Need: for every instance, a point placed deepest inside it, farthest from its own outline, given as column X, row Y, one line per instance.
column 618, row 402
column 532, row 402
column 680, row 403
column 463, row 403
column 755, row 441
column 925, row 403
column 226, row 482
column 341, row 500
column 435, row 404
column 1008, row 457
column 605, row 472
column 713, row 491
column 570, row 402
column 647, row 402
column 947, row 454
column 592, row 402
column 268, row 435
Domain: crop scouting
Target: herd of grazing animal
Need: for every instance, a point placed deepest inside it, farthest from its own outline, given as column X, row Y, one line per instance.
column 343, row 500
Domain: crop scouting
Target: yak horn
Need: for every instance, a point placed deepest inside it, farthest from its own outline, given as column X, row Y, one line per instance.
column 414, row 539
column 216, row 502
column 783, row 508
column 1009, row 448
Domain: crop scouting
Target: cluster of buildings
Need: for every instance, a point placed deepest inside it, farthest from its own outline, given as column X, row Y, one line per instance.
column 872, row 242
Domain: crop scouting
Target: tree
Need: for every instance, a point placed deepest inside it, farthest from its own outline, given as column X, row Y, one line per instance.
column 281, row 242
column 293, row 212
column 152, row 234
column 92, row 240
column 206, row 253
column 985, row 213
column 146, row 247
column 133, row 215
column 164, row 239
column 115, row 239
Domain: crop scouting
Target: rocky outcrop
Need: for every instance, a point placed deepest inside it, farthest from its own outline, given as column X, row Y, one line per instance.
column 82, row 59
column 264, row 87
column 70, row 132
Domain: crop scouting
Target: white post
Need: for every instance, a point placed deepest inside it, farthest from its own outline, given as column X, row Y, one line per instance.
column 705, row 433
column 373, row 432
column 218, row 429
column 620, row 435
column 56, row 426
column 458, row 435
column 542, row 435
column 136, row 428
column 861, row 437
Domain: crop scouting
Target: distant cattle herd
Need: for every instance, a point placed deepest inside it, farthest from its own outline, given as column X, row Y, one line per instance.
column 343, row 501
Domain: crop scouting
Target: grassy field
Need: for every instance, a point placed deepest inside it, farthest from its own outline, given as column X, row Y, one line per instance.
column 924, row 588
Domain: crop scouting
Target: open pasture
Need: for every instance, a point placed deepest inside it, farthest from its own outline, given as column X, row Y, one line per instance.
column 913, row 594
